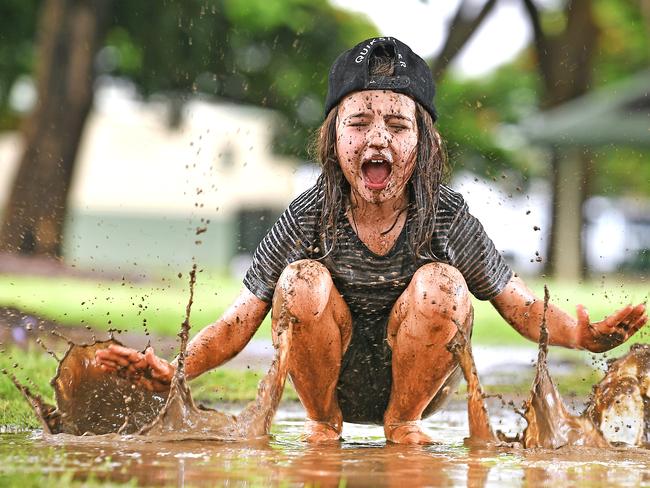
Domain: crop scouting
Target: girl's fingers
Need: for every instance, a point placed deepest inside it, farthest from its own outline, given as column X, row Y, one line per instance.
column 582, row 314
column 637, row 324
column 107, row 368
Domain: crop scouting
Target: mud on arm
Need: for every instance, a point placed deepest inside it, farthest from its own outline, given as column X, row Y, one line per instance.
column 213, row 345
column 519, row 306
column 224, row 339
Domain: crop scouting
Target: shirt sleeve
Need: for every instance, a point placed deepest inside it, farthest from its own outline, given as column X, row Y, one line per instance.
column 473, row 253
column 284, row 244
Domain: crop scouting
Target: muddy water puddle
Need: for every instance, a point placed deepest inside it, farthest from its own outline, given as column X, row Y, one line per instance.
column 362, row 459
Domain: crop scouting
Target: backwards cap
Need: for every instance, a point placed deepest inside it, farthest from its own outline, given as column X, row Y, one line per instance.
column 351, row 72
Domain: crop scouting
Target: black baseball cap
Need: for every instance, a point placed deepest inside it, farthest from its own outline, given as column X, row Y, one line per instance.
column 350, row 72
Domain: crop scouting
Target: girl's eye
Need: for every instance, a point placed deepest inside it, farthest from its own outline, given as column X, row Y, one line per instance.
column 398, row 127
column 358, row 124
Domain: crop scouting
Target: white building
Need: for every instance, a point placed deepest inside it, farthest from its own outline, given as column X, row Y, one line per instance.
column 142, row 188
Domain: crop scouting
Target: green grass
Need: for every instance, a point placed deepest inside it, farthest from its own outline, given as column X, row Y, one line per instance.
column 161, row 306
column 34, row 369
column 67, row 478
column 123, row 305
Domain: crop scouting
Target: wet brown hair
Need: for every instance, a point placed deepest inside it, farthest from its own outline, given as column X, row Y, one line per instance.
column 431, row 170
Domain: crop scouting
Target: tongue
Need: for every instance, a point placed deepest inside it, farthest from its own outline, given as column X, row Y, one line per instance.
column 376, row 172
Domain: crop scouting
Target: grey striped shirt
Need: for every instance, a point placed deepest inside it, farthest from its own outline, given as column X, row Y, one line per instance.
column 369, row 283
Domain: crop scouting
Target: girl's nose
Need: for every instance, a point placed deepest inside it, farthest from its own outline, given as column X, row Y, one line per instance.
column 378, row 136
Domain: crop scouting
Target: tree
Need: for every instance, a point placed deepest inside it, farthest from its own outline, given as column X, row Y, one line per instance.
column 578, row 45
column 71, row 32
column 566, row 53
column 16, row 51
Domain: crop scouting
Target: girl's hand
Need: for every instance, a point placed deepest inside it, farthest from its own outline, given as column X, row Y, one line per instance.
column 611, row 331
column 145, row 369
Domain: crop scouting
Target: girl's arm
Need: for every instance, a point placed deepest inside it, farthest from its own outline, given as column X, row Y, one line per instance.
column 523, row 311
column 213, row 345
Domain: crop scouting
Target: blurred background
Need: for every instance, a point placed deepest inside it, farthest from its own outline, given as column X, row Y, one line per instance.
column 139, row 137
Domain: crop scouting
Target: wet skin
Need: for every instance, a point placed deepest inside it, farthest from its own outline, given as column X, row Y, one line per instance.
column 373, row 128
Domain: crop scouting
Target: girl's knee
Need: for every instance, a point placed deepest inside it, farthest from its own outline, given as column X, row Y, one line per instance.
column 303, row 289
column 439, row 291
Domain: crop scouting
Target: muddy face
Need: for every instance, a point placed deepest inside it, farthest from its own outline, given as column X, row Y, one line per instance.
column 376, row 139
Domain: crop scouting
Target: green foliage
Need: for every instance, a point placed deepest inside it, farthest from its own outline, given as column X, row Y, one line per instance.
column 274, row 54
column 621, row 171
column 17, row 30
column 623, row 42
column 277, row 54
column 473, row 113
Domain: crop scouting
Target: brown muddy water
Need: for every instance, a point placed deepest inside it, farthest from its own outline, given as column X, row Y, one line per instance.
column 362, row 459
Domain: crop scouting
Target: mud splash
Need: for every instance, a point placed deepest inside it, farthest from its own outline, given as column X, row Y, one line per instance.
column 480, row 430
column 91, row 402
column 617, row 413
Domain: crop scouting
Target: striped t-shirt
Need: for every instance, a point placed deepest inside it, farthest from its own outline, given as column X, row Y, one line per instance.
column 369, row 283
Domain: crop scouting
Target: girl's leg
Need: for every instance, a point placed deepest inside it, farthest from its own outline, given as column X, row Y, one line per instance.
column 306, row 299
column 423, row 321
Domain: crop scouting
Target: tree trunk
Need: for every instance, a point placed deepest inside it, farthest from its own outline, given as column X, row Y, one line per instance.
column 570, row 190
column 565, row 62
column 71, row 32
column 462, row 28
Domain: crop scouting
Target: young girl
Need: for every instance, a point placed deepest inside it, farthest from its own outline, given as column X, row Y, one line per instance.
column 373, row 266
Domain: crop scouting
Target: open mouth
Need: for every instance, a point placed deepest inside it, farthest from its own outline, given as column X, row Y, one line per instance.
column 375, row 173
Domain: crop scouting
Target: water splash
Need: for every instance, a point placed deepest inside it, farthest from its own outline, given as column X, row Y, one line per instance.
column 92, row 402
column 618, row 412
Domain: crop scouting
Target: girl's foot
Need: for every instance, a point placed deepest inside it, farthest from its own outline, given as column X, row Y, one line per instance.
column 320, row 432
column 407, row 432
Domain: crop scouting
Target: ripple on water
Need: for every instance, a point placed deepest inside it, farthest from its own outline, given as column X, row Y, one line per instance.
column 362, row 459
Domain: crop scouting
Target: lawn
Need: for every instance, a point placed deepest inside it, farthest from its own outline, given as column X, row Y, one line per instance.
column 161, row 305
